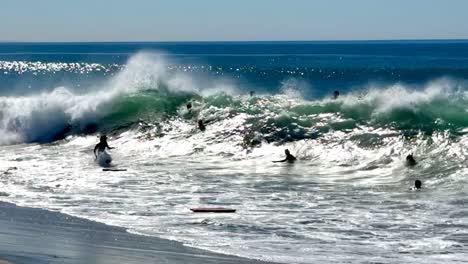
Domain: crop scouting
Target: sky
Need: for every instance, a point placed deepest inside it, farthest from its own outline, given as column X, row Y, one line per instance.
column 231, row 20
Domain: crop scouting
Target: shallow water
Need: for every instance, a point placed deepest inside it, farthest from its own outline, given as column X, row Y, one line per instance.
column 293, row 213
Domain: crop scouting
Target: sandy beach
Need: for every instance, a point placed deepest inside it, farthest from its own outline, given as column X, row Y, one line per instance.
column 29, row 235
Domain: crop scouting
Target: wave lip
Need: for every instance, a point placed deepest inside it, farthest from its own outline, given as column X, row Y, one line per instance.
column 439, row 105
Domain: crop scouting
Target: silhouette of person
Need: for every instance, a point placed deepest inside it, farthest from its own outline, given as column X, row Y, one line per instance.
column 410, row 161
column 201, row 125
column 101, row 146
column 336, row 94
column 417, row 185
column 252, row 93
column 289, row 157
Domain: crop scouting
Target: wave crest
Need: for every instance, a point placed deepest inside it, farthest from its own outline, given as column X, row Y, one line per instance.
column 145, row 90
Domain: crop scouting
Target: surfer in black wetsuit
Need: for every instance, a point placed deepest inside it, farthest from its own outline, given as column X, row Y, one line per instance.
column 201, row 125
column 102, row 145
column 410, row 161
column 289, row 158
column 336, row 94
column 417, row 185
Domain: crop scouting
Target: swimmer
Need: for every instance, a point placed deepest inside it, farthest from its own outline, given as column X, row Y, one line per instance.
column 336, row 94
column 189, row 106
column 252, row 93
column 410, row 161
column 417, row 185
column 201, row 125
column 289, row 158
column 101, row 146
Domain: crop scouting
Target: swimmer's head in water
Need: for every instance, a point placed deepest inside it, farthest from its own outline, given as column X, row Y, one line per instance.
column 336, row 94
column 410, row 160
column 417, row 184
column 189, row 105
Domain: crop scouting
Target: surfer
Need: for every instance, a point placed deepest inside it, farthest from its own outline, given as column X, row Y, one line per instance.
column 102, row 145
column 417, row 185
column 336, row 94
column 252, row 93
column 410, row 161
column 289, row 158
column 201, row 125
column 189, row 106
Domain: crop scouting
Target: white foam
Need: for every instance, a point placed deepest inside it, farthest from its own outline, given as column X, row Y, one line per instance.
column 40, row 117
column 399, row 96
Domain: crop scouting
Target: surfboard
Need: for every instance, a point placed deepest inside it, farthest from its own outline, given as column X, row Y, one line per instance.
column 213, row 210
column 110, row 169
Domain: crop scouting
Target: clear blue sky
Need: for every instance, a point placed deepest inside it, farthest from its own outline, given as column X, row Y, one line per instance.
column 204, row 20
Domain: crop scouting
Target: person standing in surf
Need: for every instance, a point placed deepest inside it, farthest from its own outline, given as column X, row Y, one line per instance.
column 201, row 125
column 101, row 146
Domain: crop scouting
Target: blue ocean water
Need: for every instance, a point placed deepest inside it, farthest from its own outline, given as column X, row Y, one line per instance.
column 346, row 199
column 325, row 65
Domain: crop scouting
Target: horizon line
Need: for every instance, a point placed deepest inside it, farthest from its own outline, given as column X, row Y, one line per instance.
column 232, row 41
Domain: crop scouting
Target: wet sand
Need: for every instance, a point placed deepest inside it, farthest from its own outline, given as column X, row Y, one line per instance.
column 35, row 236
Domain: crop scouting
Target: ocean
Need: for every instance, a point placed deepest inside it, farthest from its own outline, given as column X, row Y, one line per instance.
column 346, row 199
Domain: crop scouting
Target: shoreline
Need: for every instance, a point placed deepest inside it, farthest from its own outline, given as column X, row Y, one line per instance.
column 30, row 236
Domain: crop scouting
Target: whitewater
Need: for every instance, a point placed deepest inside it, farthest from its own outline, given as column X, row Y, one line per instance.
column 346, row 199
